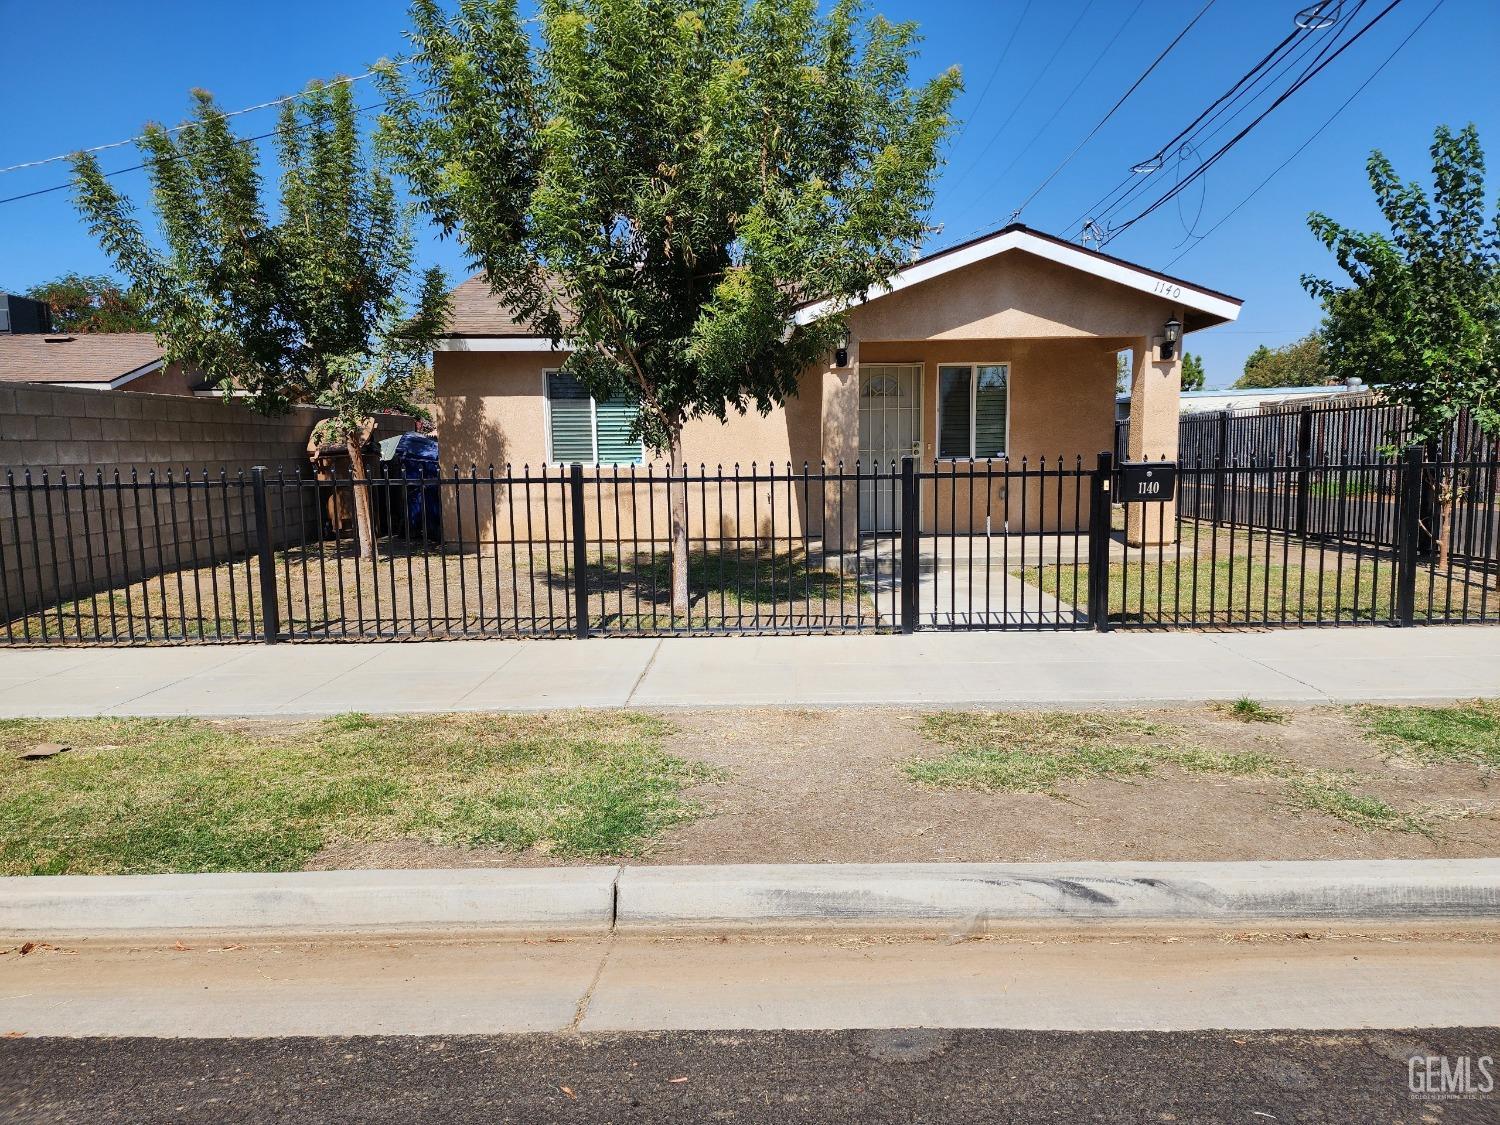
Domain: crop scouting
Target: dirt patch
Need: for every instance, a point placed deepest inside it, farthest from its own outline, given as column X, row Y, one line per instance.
column 827, row 786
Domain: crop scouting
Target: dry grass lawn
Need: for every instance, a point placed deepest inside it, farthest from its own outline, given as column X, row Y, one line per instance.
column 1234, row 781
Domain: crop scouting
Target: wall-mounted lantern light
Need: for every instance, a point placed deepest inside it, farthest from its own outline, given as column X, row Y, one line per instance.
column 1171, row 332
column 841, row 352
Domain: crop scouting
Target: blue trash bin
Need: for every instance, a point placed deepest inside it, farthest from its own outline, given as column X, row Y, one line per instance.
column 416, row 459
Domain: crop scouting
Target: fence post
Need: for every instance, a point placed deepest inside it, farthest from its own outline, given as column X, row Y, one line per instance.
column 910, row 563
column 1408, row 534
column 1220, row 460
column 1304, row 466
column 580, row 553
column 270, row 609
column 1099, row 511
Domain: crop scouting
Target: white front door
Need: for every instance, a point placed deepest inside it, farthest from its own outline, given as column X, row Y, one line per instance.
column 890, row 428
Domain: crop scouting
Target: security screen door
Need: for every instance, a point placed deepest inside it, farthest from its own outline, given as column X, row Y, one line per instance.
column 890, row 428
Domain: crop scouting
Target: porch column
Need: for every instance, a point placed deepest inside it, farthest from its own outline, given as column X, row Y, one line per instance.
column 840, row 442
column 1155, row 389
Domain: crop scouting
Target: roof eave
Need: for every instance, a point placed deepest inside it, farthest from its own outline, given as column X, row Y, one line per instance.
column 1205, row 307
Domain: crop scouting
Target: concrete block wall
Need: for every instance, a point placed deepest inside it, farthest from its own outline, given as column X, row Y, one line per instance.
column 62, row 541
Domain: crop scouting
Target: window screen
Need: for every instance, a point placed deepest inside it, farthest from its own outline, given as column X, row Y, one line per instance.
column 991, row 401
column 973, row 410
column 954, row 416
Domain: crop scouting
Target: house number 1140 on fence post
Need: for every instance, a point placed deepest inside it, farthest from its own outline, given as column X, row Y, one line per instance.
column 1147, row 481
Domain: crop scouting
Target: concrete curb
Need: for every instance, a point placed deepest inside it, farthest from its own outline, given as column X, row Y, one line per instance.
column 664, row 898
column 751, row 897
column 528, row 900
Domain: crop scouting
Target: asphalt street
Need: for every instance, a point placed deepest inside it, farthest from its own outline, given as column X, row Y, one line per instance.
column 828, row 1077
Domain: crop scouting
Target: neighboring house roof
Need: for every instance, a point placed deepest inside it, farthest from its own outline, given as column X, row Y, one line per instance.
column 1253, row 397
column 478, row 314
column 94, row 359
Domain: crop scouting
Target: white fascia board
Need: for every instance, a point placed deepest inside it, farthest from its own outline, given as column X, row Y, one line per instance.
column 499, row 344
column 1073, row 257
column 155, row 365
column 114, row 384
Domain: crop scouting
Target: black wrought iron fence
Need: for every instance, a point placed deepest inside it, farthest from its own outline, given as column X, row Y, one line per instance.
column 130, row 558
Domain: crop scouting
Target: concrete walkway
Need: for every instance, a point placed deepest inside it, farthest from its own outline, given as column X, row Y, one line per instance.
column 933, row 669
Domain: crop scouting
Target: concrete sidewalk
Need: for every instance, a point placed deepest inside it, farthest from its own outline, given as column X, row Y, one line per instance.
column 935, row 669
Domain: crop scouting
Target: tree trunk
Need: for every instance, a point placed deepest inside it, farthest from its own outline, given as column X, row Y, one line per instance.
column 677, row 508
column 364, row 518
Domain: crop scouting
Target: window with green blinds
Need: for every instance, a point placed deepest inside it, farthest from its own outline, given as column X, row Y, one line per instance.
column 991, row 402
column 954, row 415
column 973, row 410
column 613, row 420
column 581, row 429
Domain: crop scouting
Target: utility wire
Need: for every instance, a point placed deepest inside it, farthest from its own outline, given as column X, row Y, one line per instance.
column 138, row 167
column 188, row 124
column 1332, row 117
column 1269, row 67
column 1137, row 185
column 1093, row 66
column 1266, row 60
column 1112, row 109
column 995, row 136
column 1209, row 163
column 994, row 71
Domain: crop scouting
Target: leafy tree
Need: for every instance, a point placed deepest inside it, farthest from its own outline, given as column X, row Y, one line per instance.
column 1123, row 364
column 1298, row 364
column 1420, row 313
column 91, row 303
column 1192, row 372
column 658, row 183
column 310, row 306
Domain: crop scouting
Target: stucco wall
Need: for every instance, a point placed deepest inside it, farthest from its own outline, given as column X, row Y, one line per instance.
column 490, row 411
column 1061, row 408
column 1013, row 296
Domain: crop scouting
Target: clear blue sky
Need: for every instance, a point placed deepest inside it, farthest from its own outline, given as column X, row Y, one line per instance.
column 119, row 65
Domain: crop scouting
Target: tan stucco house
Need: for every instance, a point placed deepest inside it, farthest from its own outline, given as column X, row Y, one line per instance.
column 995, row 350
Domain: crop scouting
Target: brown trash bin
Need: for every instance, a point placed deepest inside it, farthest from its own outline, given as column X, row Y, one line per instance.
column 331, row 468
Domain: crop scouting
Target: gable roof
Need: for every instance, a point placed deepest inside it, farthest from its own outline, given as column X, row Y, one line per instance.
column 1213, row 307
column 478, row 315
column 103, row 359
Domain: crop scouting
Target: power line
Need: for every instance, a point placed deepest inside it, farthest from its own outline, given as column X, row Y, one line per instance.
column 1277, row 61
column 1093, row 66
column 138, row 167
column 1320, row 58
column 1121, row 101
column 995, row 70
column 1209, row 163
column 1332, row 117
column 1230, row 94
column 188, row 124
column 995, row 136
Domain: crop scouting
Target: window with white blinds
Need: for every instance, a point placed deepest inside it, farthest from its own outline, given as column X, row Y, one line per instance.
column 581, row 428
column 973, row 410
